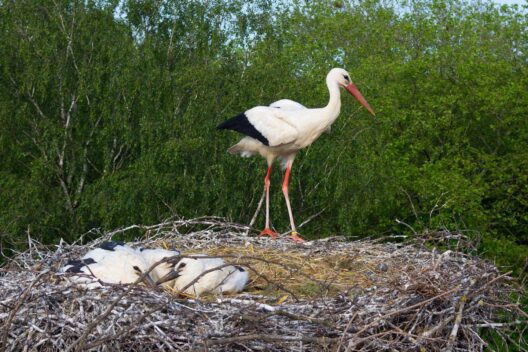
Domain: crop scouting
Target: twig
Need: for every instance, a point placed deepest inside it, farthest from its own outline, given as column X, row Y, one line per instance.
column 422, row 303
column 272, row 338
column 19, row 303
column 458, row 319
column 125, row 332
column 311, row 218
column 342, row 339
column 289, row 315
column 259, row 206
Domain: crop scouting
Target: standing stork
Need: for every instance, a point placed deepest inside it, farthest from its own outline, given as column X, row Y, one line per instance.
column 285, row 127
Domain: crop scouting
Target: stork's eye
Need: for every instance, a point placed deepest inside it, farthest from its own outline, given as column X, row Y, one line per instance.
column 347, row 78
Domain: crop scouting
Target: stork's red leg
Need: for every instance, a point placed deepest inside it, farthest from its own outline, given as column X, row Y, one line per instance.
column 294, row 235
column 267, row 231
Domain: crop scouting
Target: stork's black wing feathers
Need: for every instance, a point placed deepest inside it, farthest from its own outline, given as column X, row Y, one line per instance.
column 109, row 246
column 74, row 262
column 88, row 261
column 75, row 268
column 240, row 123
column 76, row 265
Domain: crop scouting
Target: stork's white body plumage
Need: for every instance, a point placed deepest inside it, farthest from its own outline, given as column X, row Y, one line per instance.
column 235, row 279
column 287, row 104
column 189, row 269
column 285, row 127
column 119, row 265
column 225, row 279
column 287, row 130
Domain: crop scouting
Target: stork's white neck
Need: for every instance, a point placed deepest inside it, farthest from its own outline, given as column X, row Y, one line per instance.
column 334, row 104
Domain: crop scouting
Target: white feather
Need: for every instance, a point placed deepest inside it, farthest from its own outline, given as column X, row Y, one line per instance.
column 287, row 104
column 224, row 280
column 189, row 269
column 235, row 281
column 271, row 124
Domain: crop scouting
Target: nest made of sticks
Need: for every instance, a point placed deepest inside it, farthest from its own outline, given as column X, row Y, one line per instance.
column 325, row 295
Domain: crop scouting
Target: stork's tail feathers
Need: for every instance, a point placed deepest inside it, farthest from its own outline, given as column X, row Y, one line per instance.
column 241, row 124
column 235, row 149
column 239, row 149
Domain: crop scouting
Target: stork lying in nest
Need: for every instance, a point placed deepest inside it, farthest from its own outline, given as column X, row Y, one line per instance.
column 117, row 263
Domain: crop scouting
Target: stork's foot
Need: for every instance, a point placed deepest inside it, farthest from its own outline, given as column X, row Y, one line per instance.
column 268, row 232
column 296, row 238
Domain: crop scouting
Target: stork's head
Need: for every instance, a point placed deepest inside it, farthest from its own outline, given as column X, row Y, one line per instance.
column 152, row 256
column 185, row 266
column 342, row 78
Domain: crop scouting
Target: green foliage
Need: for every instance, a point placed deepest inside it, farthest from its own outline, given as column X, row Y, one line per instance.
column 108, row 111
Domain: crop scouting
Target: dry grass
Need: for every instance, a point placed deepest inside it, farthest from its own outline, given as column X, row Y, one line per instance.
column 307, row 276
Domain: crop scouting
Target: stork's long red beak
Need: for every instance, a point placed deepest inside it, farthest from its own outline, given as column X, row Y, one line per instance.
column 355, row 92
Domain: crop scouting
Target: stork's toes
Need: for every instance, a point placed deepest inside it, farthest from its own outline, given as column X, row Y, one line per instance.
column 296, row 238
column 268, row 232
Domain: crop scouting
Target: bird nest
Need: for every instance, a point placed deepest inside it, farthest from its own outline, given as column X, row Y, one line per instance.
column 323, row 295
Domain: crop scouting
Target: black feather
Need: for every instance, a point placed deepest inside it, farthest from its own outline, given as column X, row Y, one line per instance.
column 88, row 261
column 178, row 268
column 74, row 262
column 240, row 123
column 76, row 265
column 109, row 246
column 75, row 269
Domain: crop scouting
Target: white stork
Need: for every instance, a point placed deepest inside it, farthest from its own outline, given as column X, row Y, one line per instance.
column 225, row 279
column 285, row 127
column 112, row 262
